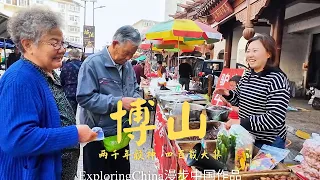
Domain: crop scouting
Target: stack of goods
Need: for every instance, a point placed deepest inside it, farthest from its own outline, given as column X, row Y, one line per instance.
column 311, row 154
column 211, row 134
column 278, row 178
column 267, row 158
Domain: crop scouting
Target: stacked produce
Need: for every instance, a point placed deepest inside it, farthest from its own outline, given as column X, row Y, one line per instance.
column 224, row 146
column 311, row 154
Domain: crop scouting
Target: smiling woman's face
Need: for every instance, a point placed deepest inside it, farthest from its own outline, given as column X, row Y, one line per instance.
column 49, row 51
column 257, row 56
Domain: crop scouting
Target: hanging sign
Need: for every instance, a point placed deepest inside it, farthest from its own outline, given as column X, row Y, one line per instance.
column 221, row 11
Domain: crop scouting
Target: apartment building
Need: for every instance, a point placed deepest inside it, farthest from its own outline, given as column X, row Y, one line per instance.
column 69, row 10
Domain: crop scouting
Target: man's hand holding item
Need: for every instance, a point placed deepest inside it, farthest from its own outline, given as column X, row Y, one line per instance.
column 126, row 102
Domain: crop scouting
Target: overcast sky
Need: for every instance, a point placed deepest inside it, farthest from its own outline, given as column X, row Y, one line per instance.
column 121, row 12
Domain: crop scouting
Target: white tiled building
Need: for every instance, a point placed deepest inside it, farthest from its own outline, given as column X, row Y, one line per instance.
column 69, row 9
column 144, row 24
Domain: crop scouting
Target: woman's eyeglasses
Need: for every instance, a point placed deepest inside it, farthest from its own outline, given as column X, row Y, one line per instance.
column 57, row 45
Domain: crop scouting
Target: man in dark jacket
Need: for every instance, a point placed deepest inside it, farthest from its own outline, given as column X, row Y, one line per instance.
column 69, row 77
column 185, row 72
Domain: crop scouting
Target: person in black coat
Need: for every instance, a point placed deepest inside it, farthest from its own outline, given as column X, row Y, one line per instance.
column 13, row 57
column 69, row 77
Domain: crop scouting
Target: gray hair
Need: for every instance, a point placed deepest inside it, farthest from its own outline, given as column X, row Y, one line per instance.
column 74, row 53
column 31, row 23
column 127, row 33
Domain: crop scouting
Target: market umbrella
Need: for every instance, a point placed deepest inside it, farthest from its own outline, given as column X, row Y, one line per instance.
column 168, row 45
column 183, row 30
column 195, row 48
column 141, row 58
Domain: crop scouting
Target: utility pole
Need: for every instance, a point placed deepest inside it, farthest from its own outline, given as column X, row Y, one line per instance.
column 84, row 23
column 93, row 8
column 93, row 26
column 93, row 13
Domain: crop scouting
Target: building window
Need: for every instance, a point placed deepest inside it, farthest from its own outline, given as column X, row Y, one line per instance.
column 62, row 6
column 66, row 38
column 74, row 29
column 71, row 39
column 74, row 39
column 13, row 2
column 74, row 8
column 39, row 1
column 23, row 2
column 74, row 18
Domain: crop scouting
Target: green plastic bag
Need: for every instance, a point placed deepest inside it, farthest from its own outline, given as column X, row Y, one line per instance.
column 111, row 144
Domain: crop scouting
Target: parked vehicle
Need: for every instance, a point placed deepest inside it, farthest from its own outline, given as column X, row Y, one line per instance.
column 206, row 67
column 315, row 98
column 202, row 68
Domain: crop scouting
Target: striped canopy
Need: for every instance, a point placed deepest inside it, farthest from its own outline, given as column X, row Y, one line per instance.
column 183, row 30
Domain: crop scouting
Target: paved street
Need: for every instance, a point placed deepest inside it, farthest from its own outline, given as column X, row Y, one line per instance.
column 305, row 121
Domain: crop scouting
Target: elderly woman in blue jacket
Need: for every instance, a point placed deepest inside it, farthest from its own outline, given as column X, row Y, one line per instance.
column 32, row 103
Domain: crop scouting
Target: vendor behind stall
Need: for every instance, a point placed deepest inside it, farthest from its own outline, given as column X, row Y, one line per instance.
column 160, row 69
column 139, row 70
column 262, row 94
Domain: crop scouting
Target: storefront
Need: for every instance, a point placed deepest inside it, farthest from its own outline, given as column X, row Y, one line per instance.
column 294, row 25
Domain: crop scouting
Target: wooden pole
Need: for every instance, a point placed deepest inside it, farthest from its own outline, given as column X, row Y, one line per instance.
column 277, row 29
column 228, row 48
column 210, row 84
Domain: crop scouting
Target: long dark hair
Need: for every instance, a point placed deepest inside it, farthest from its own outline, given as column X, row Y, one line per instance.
column 269, row 44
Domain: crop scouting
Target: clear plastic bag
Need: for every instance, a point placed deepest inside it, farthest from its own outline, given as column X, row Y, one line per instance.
column 241, row 147
column 235, row 147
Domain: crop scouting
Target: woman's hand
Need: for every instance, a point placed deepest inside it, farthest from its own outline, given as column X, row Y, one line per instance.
column 235, row 108
column 222, row 91
column 86, row 134
column 231, row 122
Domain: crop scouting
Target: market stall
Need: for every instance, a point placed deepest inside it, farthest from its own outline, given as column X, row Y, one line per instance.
column 173, row 156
